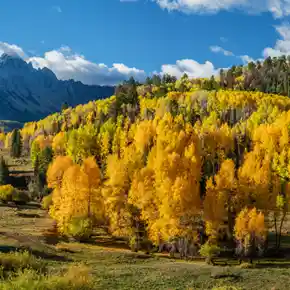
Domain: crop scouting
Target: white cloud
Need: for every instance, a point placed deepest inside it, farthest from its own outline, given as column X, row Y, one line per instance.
column 65, row 49
column 218, row 49
column 246, row 59
column 191, row 67
column 67, row 65
column 57, row 9
column 11, row 49
column 282, row 46
column 278, row 8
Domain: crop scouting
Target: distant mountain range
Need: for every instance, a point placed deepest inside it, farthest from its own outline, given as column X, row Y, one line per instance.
column 28, row 94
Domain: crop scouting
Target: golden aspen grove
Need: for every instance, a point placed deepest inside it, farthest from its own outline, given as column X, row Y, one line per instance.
column 171, row 166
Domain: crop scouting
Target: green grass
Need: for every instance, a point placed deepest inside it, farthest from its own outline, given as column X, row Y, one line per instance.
column 106, row 265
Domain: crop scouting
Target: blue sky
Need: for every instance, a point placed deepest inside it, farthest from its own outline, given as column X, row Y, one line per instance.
column 104, row 41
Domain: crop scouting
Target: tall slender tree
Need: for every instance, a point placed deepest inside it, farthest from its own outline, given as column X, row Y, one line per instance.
column 16, row 144
column 4, row 172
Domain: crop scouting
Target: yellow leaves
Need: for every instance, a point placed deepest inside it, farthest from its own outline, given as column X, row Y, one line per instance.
column 250, row 222
column 59, row 143
column 43, row 141
column 2, row 137
column 256, row 177
column 92, row 171
column 82, row 143
column 77, row 191
column 144, row 135
column 117, row 172
column 174, row 169
column 226, row 177
column 152, row 167
column 56, row 170
column 214, row 204
column 280, row 201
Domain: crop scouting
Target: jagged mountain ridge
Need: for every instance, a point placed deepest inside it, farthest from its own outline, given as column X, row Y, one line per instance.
column 28, row 94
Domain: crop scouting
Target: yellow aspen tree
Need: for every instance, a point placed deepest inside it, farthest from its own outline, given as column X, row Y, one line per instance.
column 119, row 173
column 92, row 183
column 56, row 170
column 73, row 198
column 171, row 182
column 55, row 174
column 250, row 231
column 59, row 143
column 257, row 179
column 223, row 199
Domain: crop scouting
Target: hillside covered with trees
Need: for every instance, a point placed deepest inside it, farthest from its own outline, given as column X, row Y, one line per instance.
column 186, row 164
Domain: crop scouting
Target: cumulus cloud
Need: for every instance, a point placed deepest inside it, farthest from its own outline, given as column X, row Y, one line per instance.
column 246, row 59
column 218, row 49
column 68, row 65
column 278, row 8
column 191, row 67
column 11, row 49
column 282, row 45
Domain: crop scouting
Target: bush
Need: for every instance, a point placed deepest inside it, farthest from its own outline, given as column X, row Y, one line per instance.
column 133, row 243
column 46, row 202
column 20, row 197
column 6, row 192
column 80, row 228
column 245, row 265
column 16, row 261
column 76, row 278
column 209, row 251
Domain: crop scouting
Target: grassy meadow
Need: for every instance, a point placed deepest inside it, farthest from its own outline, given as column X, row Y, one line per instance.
column 107, row 264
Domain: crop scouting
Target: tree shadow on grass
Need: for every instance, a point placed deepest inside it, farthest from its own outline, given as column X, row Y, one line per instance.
column 107, row 242
column 28, row 215
column 272, row 264
column 27, row 244
column 39, row 254
column 21, row 207
column 49, row 256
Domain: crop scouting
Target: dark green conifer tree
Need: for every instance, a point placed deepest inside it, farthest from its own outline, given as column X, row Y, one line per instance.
column 16, row 144
column 4, row 172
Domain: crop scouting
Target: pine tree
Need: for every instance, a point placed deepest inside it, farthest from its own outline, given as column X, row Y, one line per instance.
column 4, row 172
column 64, row 106
column 15, row 144
column 37, row 183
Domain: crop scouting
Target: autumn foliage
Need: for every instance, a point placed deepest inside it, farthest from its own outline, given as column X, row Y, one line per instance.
column 177, row 164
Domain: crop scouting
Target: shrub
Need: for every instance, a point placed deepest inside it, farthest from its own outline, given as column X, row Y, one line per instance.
column 209, row 251
column 222, row 273
column 46, row 202
column 6, row 192
column 76, row 278
column 16, row 261
column 133, row 243
column 245, row 265
column 80, row 228
column 20, row 197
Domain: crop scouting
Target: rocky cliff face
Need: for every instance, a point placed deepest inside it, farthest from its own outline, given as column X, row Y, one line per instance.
column 28, row 94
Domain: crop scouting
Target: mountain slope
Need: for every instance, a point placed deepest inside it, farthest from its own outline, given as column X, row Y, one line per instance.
column 29, row 94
